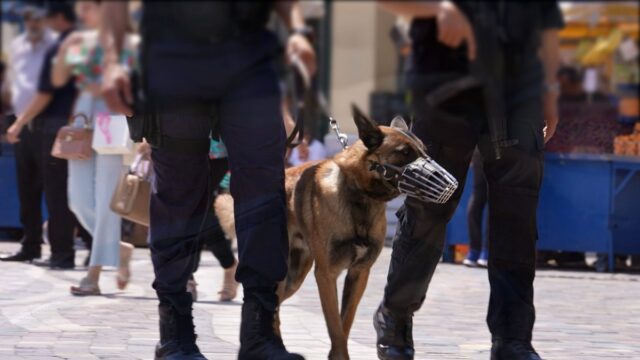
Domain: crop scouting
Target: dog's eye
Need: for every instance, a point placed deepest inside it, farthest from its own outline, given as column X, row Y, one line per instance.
column 405, row 151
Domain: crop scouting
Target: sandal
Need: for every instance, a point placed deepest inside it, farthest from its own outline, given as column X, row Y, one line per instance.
column 229, row 284
column 85, row 288
column 124, row 270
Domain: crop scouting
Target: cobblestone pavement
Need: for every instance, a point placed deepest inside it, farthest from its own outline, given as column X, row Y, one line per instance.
column 581, row 315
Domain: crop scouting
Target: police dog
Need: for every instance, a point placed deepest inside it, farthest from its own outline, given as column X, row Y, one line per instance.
column 336, row 220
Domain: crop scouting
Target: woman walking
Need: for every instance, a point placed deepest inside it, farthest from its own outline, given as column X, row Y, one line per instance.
column 92, row 182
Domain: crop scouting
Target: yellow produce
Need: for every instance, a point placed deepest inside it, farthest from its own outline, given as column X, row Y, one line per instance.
column 583, row 48
column 603, row 48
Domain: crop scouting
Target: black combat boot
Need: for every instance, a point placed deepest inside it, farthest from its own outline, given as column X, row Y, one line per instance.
column 21, row 256
column 258, row 341
column 395, row 336
column 177, row 335
column 513, row 350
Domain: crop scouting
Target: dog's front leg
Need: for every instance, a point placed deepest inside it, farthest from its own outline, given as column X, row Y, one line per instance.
column 354, row 285
column 281, row 297
column 326, row 281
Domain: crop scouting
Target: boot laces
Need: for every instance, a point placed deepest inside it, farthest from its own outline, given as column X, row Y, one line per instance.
column 261, row 328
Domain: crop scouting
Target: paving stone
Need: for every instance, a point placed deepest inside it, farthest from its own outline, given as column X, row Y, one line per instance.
column 580, row 315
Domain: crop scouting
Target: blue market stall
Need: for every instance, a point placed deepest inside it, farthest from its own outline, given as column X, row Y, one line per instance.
column 9, row 204
column 588, row 203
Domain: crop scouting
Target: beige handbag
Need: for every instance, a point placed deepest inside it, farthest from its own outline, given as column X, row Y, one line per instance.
column 74, row 143
column 132, row 195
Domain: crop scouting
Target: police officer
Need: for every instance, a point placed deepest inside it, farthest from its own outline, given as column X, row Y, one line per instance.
column 483, row 73
column 205, row 65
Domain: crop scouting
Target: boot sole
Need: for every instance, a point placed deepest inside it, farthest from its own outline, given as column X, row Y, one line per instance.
column 383, row 356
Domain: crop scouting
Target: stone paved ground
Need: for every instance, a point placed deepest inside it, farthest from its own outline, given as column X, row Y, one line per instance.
column 581, row 315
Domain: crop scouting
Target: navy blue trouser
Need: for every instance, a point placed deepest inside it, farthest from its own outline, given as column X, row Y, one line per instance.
column 233, row 82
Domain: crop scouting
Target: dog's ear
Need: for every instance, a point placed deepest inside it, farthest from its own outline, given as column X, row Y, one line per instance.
column 368, row 131
column 399, row 123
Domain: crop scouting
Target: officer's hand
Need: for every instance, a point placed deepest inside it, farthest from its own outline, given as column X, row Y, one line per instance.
column 13, row 133
column 550, row 111
column 116, row 89
column 298, row 46
column 454, row 28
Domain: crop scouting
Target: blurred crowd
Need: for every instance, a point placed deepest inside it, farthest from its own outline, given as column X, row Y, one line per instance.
column 52, row 73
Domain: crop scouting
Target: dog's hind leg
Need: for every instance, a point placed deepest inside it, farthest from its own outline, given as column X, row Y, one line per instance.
column 354, row 286
column 300, row 262
column 326, row 280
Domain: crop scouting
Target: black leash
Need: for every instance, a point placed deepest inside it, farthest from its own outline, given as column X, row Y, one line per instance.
column 300, row 72
column 313, row 103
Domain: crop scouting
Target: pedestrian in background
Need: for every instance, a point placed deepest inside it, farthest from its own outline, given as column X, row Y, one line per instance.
column 26, row 56
column 310, row 149
column 92, row 182
column 478, row 248
column 49, row 110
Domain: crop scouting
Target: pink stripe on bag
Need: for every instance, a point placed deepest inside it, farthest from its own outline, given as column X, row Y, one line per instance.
column 104, row 120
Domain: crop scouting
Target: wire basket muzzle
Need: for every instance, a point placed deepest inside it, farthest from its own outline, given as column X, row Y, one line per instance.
column 426, row 180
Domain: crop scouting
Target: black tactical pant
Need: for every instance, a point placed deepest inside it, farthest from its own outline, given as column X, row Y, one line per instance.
column 192, row 85
column 513, row 181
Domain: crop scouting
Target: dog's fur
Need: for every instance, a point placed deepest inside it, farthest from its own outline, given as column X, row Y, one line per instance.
column 223, row 207
column 336, row 219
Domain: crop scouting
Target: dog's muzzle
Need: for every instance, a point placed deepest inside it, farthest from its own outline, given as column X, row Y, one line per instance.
column 423, row 179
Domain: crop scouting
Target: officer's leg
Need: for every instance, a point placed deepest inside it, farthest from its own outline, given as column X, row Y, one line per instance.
column 179, row 212
column 179, row 197
column 420, row 235
column 514, row 182
column 253, row 131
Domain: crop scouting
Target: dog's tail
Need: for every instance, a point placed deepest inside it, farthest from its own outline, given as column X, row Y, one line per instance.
column 223, row 207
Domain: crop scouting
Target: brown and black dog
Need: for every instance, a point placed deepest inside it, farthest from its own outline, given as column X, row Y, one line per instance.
column 336, row 219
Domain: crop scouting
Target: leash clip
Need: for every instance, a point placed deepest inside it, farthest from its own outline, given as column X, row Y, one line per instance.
column 342, row 137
